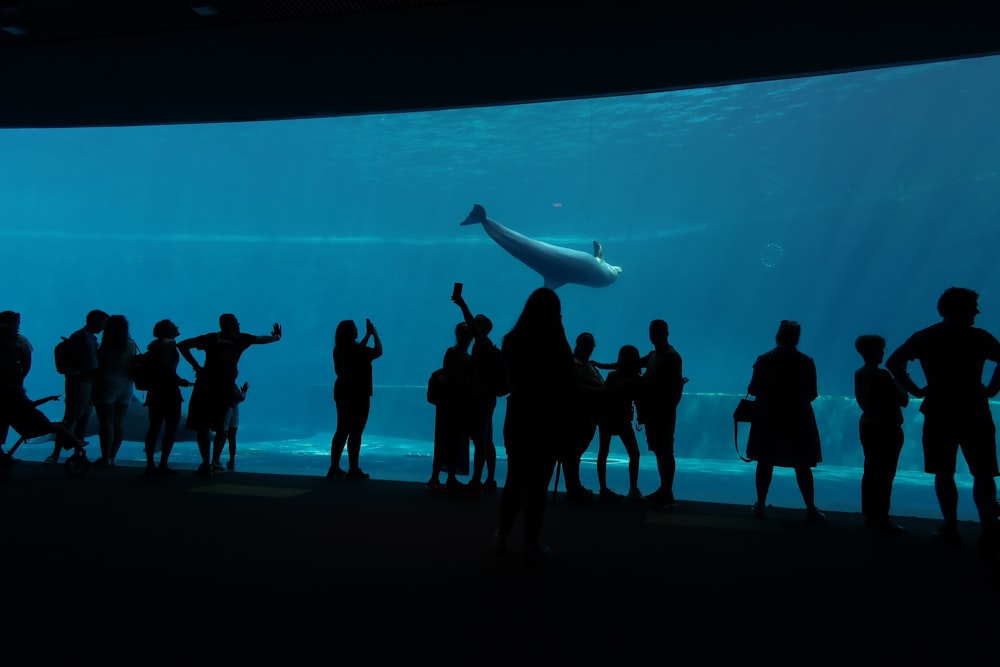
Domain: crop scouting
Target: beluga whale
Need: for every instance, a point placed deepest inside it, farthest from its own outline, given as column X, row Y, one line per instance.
column 558, row 266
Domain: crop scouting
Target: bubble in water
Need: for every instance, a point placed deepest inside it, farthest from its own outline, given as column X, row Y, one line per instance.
column 771, row 255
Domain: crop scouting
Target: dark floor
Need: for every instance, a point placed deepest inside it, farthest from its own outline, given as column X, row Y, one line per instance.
column 241, row 563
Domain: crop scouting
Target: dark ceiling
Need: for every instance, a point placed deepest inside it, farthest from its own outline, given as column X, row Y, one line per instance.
column 128, row 62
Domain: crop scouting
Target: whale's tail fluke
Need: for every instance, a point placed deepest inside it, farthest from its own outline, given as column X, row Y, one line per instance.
column 476, row 217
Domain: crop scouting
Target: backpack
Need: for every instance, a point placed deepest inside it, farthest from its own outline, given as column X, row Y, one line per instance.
column 436, row 387
column 142, row 371
column 64, row 356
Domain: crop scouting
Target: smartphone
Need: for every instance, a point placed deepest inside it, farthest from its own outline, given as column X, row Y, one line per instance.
column 457, row 291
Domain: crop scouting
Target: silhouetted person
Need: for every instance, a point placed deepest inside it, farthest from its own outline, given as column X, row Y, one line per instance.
column 541, row 376
column 80, row 374
column 113, row 387
column 163, row 398
column 952, row 355
column 662, row 388
column 585, row 417
column 230, row 428
column 24, row 351
column 880, row 430
column 487, row 381
column 213, row 386
column 16, row 409
column 783, row 432
column 352, row 394
column 451, row 416
column 620, row 390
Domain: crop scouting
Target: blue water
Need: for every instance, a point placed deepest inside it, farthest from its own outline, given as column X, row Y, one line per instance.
column 846, row 202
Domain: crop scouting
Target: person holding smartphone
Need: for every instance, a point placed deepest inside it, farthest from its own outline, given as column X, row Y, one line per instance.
column 352, row 393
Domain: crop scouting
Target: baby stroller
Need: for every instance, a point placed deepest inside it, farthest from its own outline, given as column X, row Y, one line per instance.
column 23, row 415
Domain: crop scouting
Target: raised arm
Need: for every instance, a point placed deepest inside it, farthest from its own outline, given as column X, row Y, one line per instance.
column 273, row 338
column 371, row 332
column 470, row 320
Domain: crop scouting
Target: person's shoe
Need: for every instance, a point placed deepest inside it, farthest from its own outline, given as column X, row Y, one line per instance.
column 474, row 487
column 662, row 500
column 757, row 510
column 335, row 473
column 356, row 473
column 947, row 534
column 151, row 471
column 490, row 486
column 635, row 496
column 204, row 470
column 813, row 515
column 435, row 485
column 50, row 461
column 230, row 465
column 217, row 467
column 608, row 496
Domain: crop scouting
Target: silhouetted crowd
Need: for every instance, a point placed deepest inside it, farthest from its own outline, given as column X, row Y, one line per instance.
column 557, row 400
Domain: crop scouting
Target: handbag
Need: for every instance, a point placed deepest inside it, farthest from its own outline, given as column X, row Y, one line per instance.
column 743, row 413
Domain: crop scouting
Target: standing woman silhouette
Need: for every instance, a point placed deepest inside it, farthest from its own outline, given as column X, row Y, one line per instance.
column 541, row 375
column 352, row 393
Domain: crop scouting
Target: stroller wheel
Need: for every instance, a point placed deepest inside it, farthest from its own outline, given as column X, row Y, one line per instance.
column 77, row 464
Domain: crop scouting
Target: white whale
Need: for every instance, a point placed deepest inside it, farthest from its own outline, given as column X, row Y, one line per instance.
column 558, row 266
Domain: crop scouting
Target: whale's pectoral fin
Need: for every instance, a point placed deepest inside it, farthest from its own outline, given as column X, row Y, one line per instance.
column 598, row 250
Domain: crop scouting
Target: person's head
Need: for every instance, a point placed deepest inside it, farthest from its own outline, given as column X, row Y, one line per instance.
column 542, row 313
column 958, row 305
column 347, row 332
column 229, row 324
column 659, row 333
column 871, row 348
column 11, row 319
column 788, row 334
column 165, row 329
column 463, row 335
column 115, row 330
column 628, row 360
column 96, row 320
column 484, row 324
column 585, row 345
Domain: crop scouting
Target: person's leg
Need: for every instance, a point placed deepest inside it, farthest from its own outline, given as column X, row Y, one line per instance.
column 105, row 431
column 218, row 444
column 205, row 450
column 231, row 439
column 118, row 423
column 539, row 475
column 339, row 438
column 512, row 497
column 156, row 418
column 359, row 420
column 491, row 450
column 171, row 422
column 632, row 448
column 762, row 479
column 603, row 449
column 807, row 486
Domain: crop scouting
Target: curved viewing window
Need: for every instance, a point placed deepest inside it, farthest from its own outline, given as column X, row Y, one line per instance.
column 847, row 202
